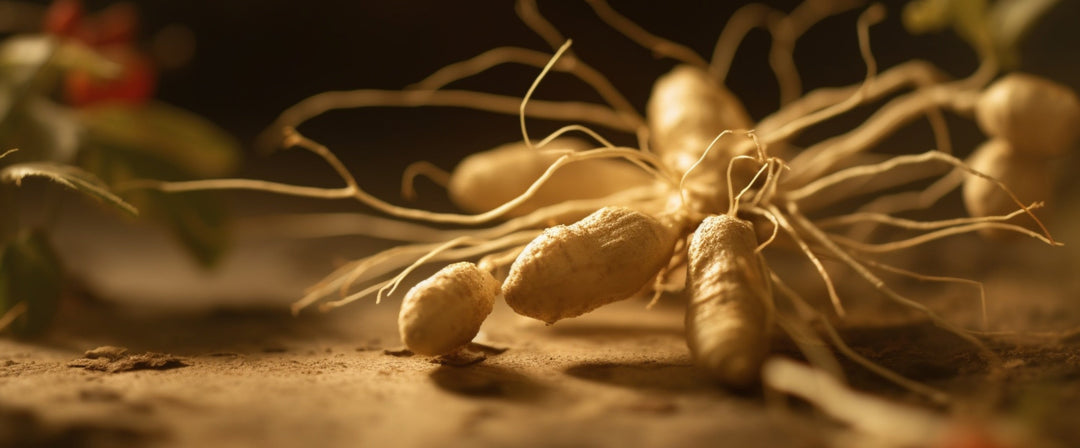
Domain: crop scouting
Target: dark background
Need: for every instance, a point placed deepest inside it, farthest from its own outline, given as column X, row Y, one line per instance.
column 255, row 58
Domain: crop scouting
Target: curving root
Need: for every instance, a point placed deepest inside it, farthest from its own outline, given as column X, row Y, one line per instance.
column 424, row 168
column 647, row 232
column 898, row 424
column 785, row 30
column 636, row 33
column 810, row 315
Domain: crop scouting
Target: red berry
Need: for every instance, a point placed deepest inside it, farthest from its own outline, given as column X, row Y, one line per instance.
column 134, row 85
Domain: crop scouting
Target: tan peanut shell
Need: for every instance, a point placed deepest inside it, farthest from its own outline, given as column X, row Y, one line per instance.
column 1037, row 116
column 728, row 316
column 488, row 179
column 686, row 110
column 572, row 269
column 445, row 311
column 1030, row 178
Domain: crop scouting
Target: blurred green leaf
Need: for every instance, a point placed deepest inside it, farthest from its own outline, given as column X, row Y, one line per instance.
column 30, row 273
column 35, row 50
column 157, row 141
column 60, row 126
column 967, row 17
column 181, row 138
column 26, row 51
column 41, row 129
column 1010, row 20
column 927, row 16
column 69, row 176
column 197, row 219
column 992, row 28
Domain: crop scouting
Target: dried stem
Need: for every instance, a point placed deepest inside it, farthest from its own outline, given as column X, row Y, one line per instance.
column 937, row 278
column 350, row 99
column 894, row 163
column 880, row 285
column 422, row 168
column 871, row 16
column 504, row 55
column 654, row 43
column 351, row 190
column 805, row 248
column 806, row 309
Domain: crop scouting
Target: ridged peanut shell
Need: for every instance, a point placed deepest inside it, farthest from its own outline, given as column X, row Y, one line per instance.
column 445, row 311
column 570, row 270
column 488, row 179
column 1036, row 115
column 728, row 317
column 1030, row 178
column 686, row 111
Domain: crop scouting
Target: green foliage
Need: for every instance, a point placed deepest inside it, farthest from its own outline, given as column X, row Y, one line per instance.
column 42, row 51
column 112, row 142
column 93, row 149
column 185, row 140
column 39, row 128
column 158, row 141
column 68, row 176
column 197, row 219
column 994, row 30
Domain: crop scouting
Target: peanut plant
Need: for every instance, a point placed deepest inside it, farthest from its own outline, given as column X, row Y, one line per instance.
column 707, row 195
column 77, row 108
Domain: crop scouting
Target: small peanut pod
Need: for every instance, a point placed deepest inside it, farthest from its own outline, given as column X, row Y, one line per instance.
column 1037, row 116
column 1030, row 178
column 729, row 316
column 570, row 270
column 488, row 179
column 686, row 110
column 445, row 311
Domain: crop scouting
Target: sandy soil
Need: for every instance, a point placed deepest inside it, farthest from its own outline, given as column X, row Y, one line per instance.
column 200, row 359
column 618, row 378
column 221, row 371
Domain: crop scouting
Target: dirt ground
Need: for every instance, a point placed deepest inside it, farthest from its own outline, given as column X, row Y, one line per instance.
column 207, row 365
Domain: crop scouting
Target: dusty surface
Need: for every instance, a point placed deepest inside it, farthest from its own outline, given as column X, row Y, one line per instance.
column 267, row 379
column 244, row 376
column 203, row 359
column 620, row 377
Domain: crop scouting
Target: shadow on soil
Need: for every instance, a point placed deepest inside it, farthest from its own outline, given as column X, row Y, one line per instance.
column 919, row 351
column 488, row 381
column 655, row 376
column 84, row 324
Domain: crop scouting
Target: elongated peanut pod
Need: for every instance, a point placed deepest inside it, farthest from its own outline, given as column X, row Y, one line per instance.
column 729, row 316
column 488, row 179
column 1036, row 115
column 445, row 311
column 1029, row 177
column 686, row 110
column 570, row 270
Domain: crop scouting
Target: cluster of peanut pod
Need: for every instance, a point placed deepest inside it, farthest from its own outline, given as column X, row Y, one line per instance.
column 707, row 194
